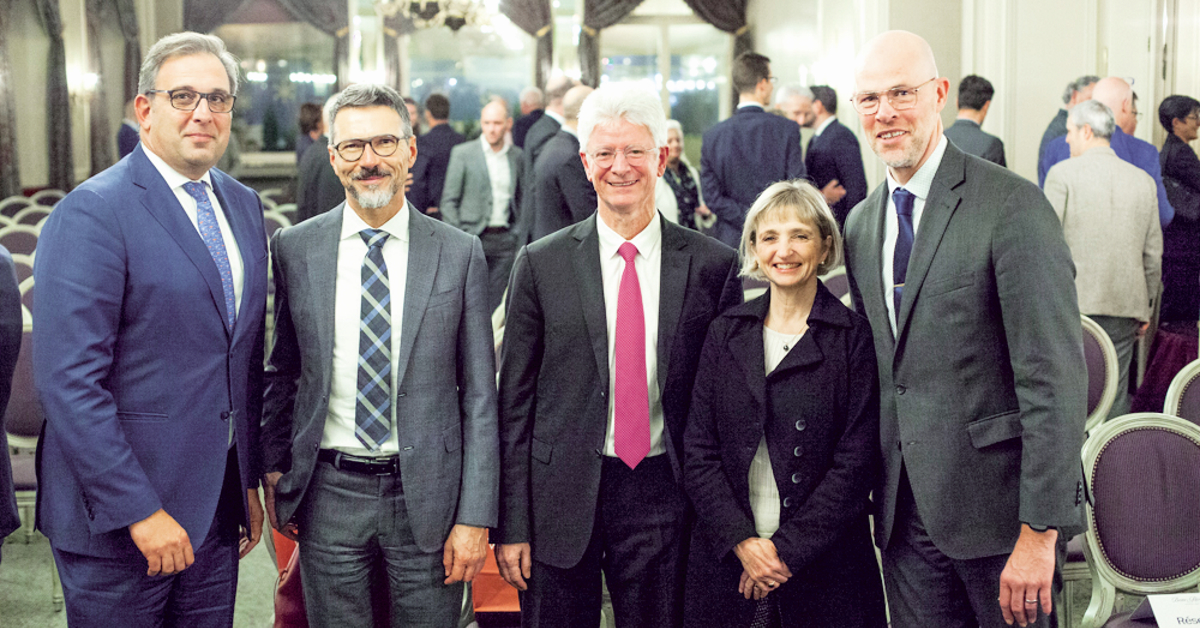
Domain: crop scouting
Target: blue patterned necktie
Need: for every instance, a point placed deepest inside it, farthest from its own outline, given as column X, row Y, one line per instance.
column 206, row 220
column 904, row 241
column 373, row 403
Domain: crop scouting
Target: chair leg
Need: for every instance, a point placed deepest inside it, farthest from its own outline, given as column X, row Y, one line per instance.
column 1100, row 608
column 56, row 593
column 1065, row 607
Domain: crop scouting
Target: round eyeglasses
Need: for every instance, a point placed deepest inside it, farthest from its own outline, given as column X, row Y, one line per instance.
column 383, row 145
column 188, row 99
column 900, row 98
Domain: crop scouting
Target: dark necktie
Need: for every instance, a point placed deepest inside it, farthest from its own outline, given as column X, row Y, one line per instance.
column 373, row 403
column 206, row 220
column 904, row 241
column 631, row 397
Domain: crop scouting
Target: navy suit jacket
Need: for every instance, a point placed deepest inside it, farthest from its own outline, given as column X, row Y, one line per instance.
column 318, row 188
column 973, row 140
column 564, row 196
column 536, row 139
column 136, row 369
column 739, row 158
column 10, row 346
column 429, row 170
column 523, row 124
column 834, row 154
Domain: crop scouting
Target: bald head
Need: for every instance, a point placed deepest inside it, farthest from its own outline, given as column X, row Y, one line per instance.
column 556, row 90
column 1117, row 95
column 893, row 50
column 572, row 102
column 494, row 122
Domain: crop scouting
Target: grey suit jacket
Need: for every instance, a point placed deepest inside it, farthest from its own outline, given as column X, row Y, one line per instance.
column 1109, row 214
column 972, row 140
column 467, row 195
column 982, row 388
column 445, row 393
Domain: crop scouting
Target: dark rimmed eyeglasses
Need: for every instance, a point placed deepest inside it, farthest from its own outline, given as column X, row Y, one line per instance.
column 189, row 99
column 383, row 145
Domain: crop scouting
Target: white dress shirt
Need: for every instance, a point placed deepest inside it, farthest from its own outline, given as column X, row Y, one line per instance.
column 919, row 185
column 500, row 176
column 764, row 492
column 554, row 116
column 648, row 265
column 175, row 181
column 824, row 125
column 347, row 314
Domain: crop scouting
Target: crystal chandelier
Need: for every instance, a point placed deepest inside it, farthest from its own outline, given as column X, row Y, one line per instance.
column 453, row 14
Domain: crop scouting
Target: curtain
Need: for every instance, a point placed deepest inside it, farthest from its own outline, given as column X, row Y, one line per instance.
column 100, row 133
column 599, row 15
column 534, row 17
column 127, row 18
column 394, row 28
column 58, row 99
column 10, row 178
column 331, row 18
column 729, row 16
column 203, row 16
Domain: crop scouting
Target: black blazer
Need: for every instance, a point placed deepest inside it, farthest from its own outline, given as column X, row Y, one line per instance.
column 535, row 140
column 318, row 188
column 1179, row 161
column 834, row 154
column 554, row 376
column 523, row 124
column 564, row 196
column 10, row 346
column 429, row 169
column 973, row 140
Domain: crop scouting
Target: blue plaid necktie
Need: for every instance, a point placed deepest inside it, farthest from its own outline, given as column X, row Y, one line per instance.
column 904, row 241
column 373, row 404
column 206, row 220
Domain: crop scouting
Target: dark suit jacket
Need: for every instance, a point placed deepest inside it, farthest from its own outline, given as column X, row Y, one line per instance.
column 983, row 388
column 445, row 392
column 1057, row 128
column 127, row 139
column 135, row 367
column 834, row 154
column 535, row 140
column 429, row 170
column 10, row 346
column 1179, row 161
column 564, row 196
column 739, row 158
column 972, row 140
column 523, row 124
column 554, row 376
column 467, row 196
column 819, row 413
column 318, row 188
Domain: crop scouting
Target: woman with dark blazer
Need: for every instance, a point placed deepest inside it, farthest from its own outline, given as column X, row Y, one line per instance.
column 1180, row 116
column 782, row 444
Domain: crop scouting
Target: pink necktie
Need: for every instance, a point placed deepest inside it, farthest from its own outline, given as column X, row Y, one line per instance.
column 631, row 398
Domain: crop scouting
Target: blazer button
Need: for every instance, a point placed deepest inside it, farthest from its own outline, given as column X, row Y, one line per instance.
column 796, row 478
column 900, row 390
column 800, row 425
column 225, row 416
column 787, row 502
column 797, row 451
column 403, row 394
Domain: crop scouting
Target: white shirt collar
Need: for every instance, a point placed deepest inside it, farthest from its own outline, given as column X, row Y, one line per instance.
column 172, row 176
column 750, row 103
column 825, row 125
column 572, row 132
column 555, row 116
column 487, row 148
column 920, row 182
column 647, row 241
column 396, row 227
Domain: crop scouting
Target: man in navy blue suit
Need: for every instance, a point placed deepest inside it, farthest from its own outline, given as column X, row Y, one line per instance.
column 834, row 160
column 10, row 346
column 741, row 156
column 433, row 158
column 148, row 336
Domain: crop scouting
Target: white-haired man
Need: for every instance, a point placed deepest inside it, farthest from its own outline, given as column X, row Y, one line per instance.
column 595, row 382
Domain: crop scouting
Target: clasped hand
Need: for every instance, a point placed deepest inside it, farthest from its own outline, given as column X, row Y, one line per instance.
column 762, row 569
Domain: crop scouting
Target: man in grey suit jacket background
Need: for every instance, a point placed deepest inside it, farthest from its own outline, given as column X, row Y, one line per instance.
column 380, row 438
column 974, row 100
column 961, row 268
column 482, row 194
column 1109, row 214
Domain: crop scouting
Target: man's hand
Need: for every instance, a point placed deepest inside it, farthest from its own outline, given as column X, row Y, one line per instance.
column 514, row 562
column 703, row 210
column 163, row 542
column 431, row 210
column 762, row 567
column 1141, row 330
column 833, row 192
column 464, row 553
column 1025, row 581
column 251, row 537
column 269, row 481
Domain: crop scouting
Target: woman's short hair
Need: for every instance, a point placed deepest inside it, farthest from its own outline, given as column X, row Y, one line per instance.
column 634, row 102
column 1176, row 107
column 785, row 200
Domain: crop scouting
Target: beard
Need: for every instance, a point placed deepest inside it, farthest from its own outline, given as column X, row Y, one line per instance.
column 910, row 155
column 373, row 198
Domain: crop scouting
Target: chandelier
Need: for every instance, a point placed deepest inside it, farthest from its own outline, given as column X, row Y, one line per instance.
column 453, row 14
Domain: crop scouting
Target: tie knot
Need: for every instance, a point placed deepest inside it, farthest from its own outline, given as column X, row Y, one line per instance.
column 195, row 189
column 627, row 251
column 904, row 201
column 374, row 237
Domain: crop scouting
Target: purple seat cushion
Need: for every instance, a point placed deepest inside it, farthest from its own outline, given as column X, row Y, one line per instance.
column 1189, row 403
column 1075, row 549
column 838, row 285
column 1097, row 370
column 1146, row 507
column 24, row 471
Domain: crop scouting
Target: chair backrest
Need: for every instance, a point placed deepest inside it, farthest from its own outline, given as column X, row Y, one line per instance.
column 752, row 288
column 19, row 239
column 1101, row 358
column 23, row 417
column 1143, row 516
column 23, row 264
column 14, row 204
column 1183, row 397
column 271, row 195
column 274, row 221
column 49, row 197
column 26, row 288
column 288, row 210
column 32, row 215
column 838, row 283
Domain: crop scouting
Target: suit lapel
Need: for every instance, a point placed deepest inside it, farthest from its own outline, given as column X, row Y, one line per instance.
column 870, row 278
column 321, row 261
column 591, row 292
column 676, row 262
column 424, row 249
column 746, row 346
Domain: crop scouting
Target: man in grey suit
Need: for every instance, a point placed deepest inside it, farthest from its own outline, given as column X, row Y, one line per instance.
column 482, row 194
column 1109, row 214
column 380, row 436
column 974, row 100
column 961, row 268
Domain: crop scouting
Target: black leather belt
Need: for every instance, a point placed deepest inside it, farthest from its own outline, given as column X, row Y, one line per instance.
column 358, row 464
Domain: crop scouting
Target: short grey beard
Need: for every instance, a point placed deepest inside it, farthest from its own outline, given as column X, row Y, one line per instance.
column 373, row 199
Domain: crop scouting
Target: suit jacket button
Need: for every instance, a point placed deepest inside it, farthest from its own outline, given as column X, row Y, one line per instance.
column 224, row 416
column 787, row 502
column 900, row 390
column 800, row 425
column 796, row 452
column 402, row 394
column 796, row 478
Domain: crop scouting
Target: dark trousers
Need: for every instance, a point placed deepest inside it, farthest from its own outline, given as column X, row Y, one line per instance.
column 348, row 524
column 927, row 588
column 499, row 249
column 637, row 541
column 105, row 592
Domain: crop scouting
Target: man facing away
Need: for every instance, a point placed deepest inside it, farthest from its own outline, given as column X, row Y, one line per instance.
column 1076, row 92
column 833, row 159
column 379, row 431
column 563, row 194
column 429, row 172
column 596, row 376
column 148, row 346
column 1109, row 214
column 532, row 110
column 482, row 194
column 974, row 100
column 961, row 268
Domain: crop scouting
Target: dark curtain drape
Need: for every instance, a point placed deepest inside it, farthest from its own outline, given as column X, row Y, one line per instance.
column 203, row 16
column 393, row 29
column 10, row 176
column 58, row 99
column 127, row 18
column 729, row 16
column 534, row 17
column 597, row 16
column 331, row 18
column 100, row 133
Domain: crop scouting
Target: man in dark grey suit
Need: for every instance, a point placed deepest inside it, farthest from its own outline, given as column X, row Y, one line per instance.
column 536, row 139
column 962, row 270
column 483, row 193
column 562, row 194
column 1076, row 92
column 380, row 437
column 974, row 99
